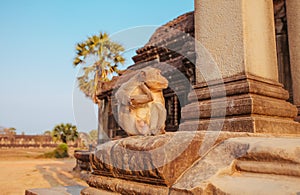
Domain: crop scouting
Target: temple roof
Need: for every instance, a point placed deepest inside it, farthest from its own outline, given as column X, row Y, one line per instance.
column 183, row 23
column 166, row 37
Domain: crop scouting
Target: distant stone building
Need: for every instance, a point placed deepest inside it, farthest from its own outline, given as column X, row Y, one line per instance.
column 26, row 141
column 8, row 140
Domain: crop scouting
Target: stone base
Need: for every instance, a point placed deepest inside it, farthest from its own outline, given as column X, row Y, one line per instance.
column 232, row 166
column 121, row 186
column 82, row 160
column 157, row 160
column 252, row 124
column 244, row 165
column 252, row 104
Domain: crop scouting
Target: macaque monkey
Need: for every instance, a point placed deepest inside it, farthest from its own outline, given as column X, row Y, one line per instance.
column 141, row 108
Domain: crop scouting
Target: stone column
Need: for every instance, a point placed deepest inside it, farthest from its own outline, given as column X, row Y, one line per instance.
column 239, row 35
column 293, row 18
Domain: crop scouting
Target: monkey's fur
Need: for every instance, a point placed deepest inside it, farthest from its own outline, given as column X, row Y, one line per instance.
column 141, row 105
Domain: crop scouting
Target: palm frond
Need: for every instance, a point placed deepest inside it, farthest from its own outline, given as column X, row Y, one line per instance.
column 109, row 56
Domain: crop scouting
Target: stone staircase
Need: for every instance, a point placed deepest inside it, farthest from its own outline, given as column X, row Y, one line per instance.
column 240, row 164
column 262, row 166
column 256, row 183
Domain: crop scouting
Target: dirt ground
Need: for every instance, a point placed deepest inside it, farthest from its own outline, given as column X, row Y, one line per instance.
column 20, row 169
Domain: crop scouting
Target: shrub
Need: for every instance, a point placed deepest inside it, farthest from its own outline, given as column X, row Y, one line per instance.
column 61, row 151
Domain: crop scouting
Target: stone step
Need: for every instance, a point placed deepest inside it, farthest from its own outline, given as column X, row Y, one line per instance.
column 279, row 168
column 254, row 183
column 240, row 164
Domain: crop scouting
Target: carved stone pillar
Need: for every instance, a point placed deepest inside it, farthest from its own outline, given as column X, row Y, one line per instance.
column 239, row 35
column 293, row 18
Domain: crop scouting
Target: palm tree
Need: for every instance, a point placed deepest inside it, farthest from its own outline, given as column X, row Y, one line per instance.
column 65, row 132
column 108, row 57
column 10, row 131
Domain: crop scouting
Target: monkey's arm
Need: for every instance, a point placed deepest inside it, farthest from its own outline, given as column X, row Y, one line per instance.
column 143, row 98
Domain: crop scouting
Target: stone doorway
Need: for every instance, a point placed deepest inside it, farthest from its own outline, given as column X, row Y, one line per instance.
column 282, row 46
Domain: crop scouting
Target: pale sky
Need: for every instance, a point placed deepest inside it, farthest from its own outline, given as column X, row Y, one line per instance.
column 38, row 39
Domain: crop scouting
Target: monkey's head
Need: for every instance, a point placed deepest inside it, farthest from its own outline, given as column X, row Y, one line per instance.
column 153, row 79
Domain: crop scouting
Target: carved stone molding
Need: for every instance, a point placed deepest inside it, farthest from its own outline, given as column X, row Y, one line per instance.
column 252, row 104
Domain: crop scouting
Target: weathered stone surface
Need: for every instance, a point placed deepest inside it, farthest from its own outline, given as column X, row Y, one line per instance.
column 239, row 105
column 82, row 160
column 293, row 27
column 249, row 183
column 256, row 164
column 220, row 28
column 252, row 104
column 278, row 168
column 95, row 191
column 251, row 124
column 216, row 171
column 66, row 190
column 121, row 186
column 156, row 160
column 238, row 84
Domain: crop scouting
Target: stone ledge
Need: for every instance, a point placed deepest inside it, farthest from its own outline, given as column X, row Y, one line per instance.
column 121, row 186
column 222, row 161
column 265, row 167
column 251, row 124
column 272, row 161
column 251, row 183
column 238, row 84
column 240, row 103
column 158, row 160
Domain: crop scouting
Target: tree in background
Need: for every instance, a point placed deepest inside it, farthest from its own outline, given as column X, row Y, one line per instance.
column 10, row 131
column 65, row 132
column 107, row 57
column 47, row 132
